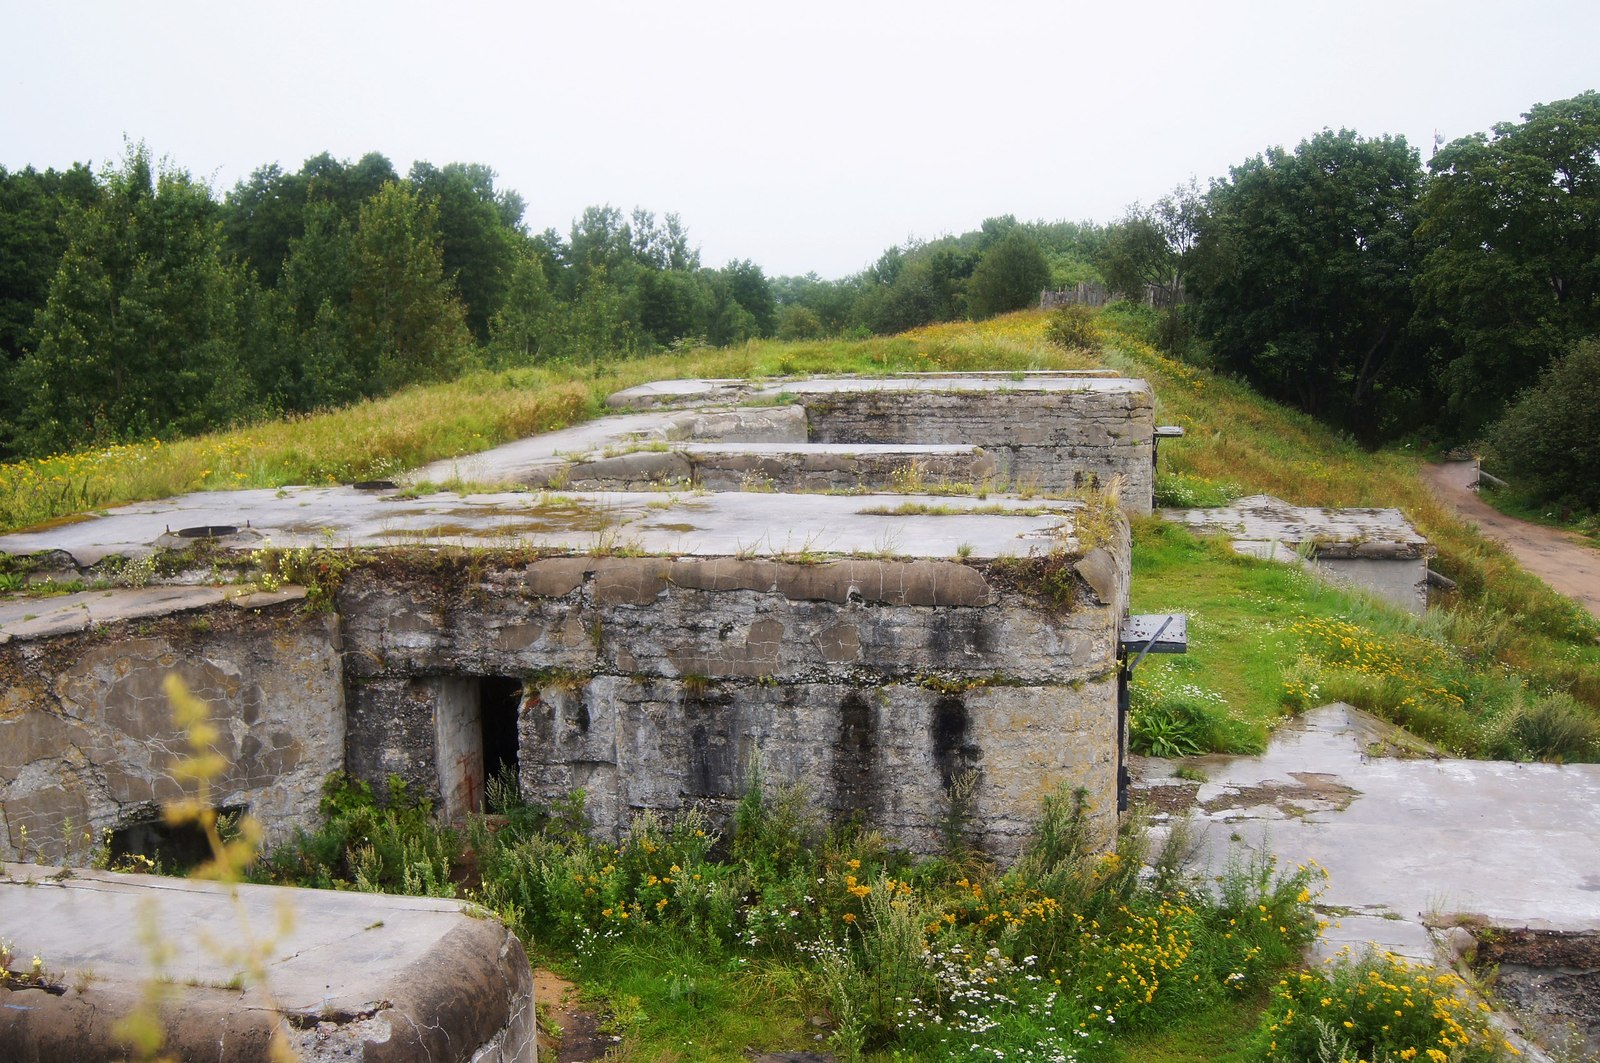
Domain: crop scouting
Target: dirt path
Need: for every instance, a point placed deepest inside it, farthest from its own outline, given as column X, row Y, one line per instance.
column 1561, row 559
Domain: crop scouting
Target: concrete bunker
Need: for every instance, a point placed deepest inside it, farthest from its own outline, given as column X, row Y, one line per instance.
column 1039, row 431
column 1374, row 550
column 653, row 648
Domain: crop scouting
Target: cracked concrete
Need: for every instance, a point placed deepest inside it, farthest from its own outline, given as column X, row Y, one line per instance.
column 354, row 976
column 1405, row 842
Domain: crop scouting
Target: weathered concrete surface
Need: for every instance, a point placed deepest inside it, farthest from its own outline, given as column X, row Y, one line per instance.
column 29, row 617
column 663, row 683
column 1051, row 432
column 1407, row 840
column 667, row 394
column 356, row 976
column 1375, row 550
column 802, row 467
column 87, row 741
column 537, row 458
column 688, row 523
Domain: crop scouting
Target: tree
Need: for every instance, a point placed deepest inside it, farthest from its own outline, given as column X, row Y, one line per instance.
column 1511, row 277
column 141, row 328
column 1548, row 442
column 1302, row 277
column 1009, row 276
column 478, row 233
column 524, row 329
column 1150, row 245
column 406, row 324
column 32, row 205
column 262, row 216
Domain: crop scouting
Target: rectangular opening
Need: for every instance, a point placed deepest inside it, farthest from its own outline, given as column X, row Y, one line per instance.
column 475, row 719
column 499, row 705
column 175, row 848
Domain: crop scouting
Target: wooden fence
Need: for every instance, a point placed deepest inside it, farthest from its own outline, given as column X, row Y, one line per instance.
column 1089, row 293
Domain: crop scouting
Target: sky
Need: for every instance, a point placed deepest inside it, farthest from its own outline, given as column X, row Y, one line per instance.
column 803, row 136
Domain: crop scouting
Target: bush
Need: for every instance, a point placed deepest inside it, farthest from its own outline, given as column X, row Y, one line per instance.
column 1555, row 727
column 1184, row 722
column 1379, row 1008
column 1548, row 442
column 1075, row 327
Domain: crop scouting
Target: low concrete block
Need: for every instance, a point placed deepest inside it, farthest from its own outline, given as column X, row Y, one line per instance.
column 356, row 977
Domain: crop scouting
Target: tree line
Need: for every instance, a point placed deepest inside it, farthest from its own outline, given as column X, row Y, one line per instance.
column 1392, row 297
column 135, row 302
column 1346, row 277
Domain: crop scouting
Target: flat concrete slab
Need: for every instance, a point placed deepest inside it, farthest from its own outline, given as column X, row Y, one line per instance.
column 660, row 393
column 41, row 617
column 1260, row 522
column 1404, row 840
column 415, row 978
column 692, row 524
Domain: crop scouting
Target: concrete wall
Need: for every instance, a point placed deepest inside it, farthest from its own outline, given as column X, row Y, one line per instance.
column 353, row 977
column 1050, row 440
column 659, row 683
column 86, row 734
column 801, row 469
column 1401, row 581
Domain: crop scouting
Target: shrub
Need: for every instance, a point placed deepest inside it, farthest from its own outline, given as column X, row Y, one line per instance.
column 1555, row 727
column 1549, row 441
column 1074, row 327
column 1379, row 1008
column 1184, row 721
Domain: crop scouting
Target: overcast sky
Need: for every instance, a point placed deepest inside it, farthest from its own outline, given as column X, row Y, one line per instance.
column 805, row 136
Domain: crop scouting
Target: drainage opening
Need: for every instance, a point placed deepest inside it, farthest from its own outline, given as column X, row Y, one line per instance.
column 206, row 531
column 175, row 848
column 374, row 485
column 499, row 704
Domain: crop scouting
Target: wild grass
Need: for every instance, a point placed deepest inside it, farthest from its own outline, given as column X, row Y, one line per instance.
column 1236, row 443
column 702, row 944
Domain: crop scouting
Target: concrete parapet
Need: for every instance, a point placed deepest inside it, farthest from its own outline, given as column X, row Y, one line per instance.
column 355, row 977
column 87, row 741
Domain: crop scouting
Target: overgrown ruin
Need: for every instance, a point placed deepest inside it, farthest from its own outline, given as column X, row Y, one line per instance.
column 935, row 659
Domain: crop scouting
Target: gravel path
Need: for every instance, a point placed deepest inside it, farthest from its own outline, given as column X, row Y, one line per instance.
column 1565, row 561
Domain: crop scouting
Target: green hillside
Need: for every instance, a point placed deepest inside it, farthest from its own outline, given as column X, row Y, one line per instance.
column 1505, row 668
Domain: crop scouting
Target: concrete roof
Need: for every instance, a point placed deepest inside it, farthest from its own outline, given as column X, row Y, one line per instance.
column 41, row 617
column 1405, row 839
column 667, row 523
column 1266, row 520
column 682, row 392
column 335, row 958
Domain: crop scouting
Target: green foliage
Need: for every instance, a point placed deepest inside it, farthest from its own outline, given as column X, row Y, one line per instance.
column 1548, row 442
column 1376, row 1007
column 405, row 323
column 141, row 329
column 395, row 847
column 1074, row 327
column 1009, row 276
column 1069, row 950
column 1511, row 277
column 1169, row 718
column 1553, row 727
column 1302, row 276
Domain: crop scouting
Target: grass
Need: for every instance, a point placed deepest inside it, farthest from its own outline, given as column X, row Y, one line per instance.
column 1500, row 618
column 702, row 944
column 380, row 438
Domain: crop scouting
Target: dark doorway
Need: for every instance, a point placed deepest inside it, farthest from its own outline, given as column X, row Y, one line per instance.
column 499, row 705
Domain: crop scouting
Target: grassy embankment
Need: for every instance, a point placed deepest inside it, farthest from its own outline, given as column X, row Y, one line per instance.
column 1506, row 668
column 696, row 952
